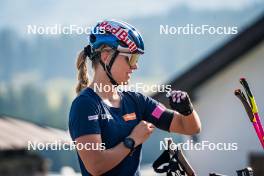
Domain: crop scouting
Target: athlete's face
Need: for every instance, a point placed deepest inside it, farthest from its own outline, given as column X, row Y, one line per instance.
column 121, row 70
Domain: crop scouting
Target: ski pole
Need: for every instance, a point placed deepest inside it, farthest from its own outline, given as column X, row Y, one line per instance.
column 180, row 157
column 248, row 109
column 253, row 105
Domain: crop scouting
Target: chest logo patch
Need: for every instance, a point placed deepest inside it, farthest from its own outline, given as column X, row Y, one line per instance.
column 131, row 116
column 93, row 117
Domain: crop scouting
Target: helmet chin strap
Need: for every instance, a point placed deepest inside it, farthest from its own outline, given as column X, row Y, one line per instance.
column 107, row 68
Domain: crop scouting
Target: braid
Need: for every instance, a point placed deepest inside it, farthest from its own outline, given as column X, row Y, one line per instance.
column 81, row 65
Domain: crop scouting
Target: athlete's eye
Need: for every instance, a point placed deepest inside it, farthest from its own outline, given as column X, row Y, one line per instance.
column 127, row 56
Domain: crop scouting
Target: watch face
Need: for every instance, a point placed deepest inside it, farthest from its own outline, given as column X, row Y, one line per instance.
column 129, row 143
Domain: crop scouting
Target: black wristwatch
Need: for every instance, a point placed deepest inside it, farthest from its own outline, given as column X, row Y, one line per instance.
column 129, row 143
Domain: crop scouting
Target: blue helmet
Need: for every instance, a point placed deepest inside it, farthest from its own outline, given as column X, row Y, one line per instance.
column 118, row 35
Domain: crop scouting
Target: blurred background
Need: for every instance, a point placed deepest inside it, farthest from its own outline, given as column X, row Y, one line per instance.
column 38, row 74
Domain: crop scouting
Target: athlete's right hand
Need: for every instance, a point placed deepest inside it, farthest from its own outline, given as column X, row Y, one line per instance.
column 141, row 132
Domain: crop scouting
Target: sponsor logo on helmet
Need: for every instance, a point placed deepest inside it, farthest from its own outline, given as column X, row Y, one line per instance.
column 120, row 33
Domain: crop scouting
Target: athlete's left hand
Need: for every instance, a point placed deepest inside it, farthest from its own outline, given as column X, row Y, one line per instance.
column 180, row 101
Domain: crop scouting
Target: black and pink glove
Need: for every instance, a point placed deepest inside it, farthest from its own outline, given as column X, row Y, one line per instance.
column 180, row 101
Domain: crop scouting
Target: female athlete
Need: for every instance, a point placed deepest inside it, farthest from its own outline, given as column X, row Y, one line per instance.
column 119, row 122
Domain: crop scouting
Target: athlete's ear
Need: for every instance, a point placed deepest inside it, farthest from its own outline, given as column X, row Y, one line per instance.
column 105, row 56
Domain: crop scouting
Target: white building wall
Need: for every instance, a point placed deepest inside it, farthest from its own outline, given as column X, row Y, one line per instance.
column 224, row 118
